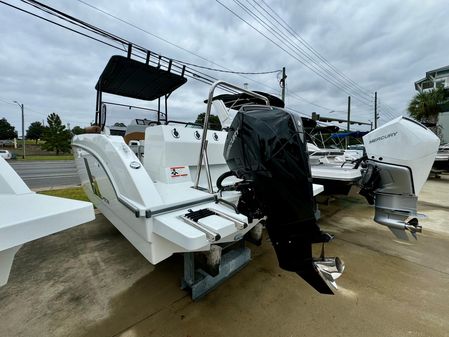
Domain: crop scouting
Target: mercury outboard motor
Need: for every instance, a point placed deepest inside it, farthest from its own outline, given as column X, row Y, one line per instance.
column 400, row 155
column 265, row 147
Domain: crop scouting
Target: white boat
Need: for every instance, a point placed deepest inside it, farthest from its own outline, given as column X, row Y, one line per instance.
column 169, row 196
column 332, row 168
column 27, row 216
column 442, row 158
column 160, row 202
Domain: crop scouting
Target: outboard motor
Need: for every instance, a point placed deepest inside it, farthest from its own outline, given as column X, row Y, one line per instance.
column 400, row 155
column 265, row 147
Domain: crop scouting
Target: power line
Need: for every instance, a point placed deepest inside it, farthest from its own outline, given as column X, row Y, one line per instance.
column 224, row 70
column 289, row 29
column 199, row 76
column 104, row 34
column 6, row 101
column 271, row 27
column 285, row 50
column 202, row 77
column 296, row 56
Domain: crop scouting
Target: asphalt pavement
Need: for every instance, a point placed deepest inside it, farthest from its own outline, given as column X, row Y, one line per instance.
column 47, row 174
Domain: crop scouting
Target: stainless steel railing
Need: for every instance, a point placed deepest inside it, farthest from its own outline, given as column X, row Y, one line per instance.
column 203, row 149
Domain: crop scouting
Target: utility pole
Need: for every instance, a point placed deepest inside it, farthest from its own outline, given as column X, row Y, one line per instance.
column 284, row 77
column 23, row 129
column 375, row 110
column 349, row 120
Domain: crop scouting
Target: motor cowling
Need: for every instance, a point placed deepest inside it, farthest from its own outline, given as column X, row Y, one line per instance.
column 400, row 155
column 265, row 147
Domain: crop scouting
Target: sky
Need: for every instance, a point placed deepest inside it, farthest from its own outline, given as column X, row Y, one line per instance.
column 382, row 46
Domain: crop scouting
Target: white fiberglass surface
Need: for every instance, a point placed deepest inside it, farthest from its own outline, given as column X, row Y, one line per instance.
column 32, row 216
column 317, row 189
column 335, row 173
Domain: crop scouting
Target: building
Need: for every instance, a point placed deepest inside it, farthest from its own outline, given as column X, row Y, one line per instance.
column 437, row 78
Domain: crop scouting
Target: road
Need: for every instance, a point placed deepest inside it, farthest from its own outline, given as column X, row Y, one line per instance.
column 50, row 173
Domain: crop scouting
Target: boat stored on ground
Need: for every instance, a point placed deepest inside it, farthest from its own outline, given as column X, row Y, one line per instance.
column 169, row 197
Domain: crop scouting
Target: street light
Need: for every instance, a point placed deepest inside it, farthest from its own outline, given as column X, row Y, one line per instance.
column 23, row 129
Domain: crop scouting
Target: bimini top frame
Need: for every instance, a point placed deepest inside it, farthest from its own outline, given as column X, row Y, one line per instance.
column 126, row 77
column 236, row 101
column 203, row 149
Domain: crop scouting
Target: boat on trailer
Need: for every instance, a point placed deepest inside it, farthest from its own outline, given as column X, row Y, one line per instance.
column 170, row 195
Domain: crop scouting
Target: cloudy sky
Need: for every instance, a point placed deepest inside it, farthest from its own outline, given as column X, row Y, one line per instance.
column 382, row 46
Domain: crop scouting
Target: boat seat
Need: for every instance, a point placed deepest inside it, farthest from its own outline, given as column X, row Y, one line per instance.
column 138, row 135
column 92, row 129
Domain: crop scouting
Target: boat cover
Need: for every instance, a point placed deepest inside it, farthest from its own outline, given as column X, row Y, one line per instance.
column 355, row 134
column 266, row 147
column 236, row 101
column 130, row 78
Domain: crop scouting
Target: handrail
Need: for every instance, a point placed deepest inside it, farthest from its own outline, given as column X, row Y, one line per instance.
column 138, row 210
column 206, row 123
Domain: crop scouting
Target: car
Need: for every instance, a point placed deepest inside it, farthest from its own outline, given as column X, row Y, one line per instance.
column 5, row 154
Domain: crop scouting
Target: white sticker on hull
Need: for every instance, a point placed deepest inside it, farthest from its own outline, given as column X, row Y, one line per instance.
column 177, row 174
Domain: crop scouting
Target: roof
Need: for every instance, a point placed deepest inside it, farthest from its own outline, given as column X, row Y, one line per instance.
column 236, row 101
column 126, row 77
column 421, row 80
column 429, row 74
column 436, row 70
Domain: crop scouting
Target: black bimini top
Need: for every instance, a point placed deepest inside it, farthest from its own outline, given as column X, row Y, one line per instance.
column 236, row 101
column 130, row 78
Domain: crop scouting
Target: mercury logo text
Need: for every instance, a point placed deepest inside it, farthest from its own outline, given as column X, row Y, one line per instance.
column 389, row 135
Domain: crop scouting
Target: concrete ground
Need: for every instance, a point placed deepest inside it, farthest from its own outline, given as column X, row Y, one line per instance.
column 89, row 281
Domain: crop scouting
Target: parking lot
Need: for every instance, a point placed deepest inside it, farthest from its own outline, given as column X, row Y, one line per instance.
column 89, row 281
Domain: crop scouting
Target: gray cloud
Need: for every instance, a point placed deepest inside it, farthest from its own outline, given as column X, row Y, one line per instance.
column 383, row 46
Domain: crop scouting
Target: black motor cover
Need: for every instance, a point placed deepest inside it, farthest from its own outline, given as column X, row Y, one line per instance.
column 265, row 147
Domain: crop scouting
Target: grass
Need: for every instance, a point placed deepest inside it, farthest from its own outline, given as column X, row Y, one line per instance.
column 76, row 193
column 46, row 157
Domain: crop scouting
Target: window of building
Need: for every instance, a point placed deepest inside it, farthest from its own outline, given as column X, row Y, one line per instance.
column 427, row 85
column 440, row 84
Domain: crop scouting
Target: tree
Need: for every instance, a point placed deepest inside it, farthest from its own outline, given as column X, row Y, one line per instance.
column 35, row 131
column 7, row 131
column 77, row 130
column 214, row 121
column 56, row 137
column 426, row 106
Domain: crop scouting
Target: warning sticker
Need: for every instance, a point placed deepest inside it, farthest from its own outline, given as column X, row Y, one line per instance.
column 178, row 174
column 178, row 171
